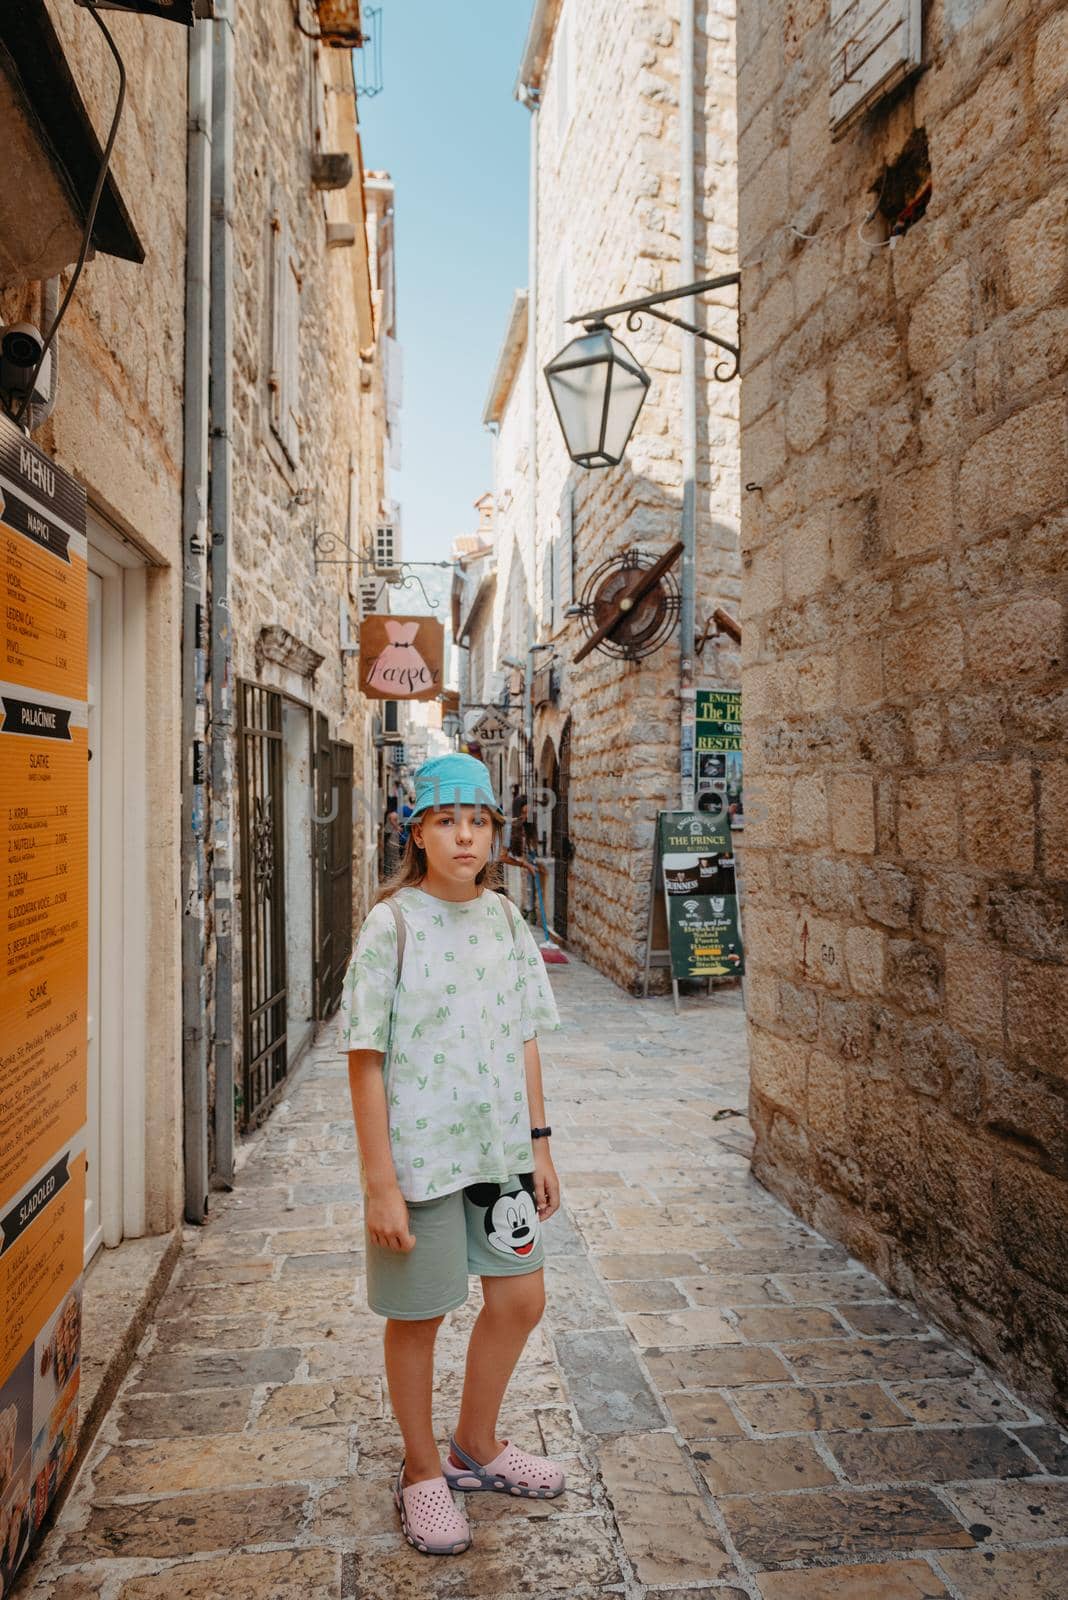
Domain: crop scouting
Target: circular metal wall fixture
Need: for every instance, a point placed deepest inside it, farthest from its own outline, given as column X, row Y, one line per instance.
column 643, row 620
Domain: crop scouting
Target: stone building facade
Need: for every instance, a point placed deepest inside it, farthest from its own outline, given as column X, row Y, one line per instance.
column 314, row 339
column 903, row 422
column 307, row 437
column 223, row 390
column 506, row 624
column 605, row 750
column 116, row 426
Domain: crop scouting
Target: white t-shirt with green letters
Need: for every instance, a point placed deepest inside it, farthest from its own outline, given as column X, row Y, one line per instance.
column 470, row 994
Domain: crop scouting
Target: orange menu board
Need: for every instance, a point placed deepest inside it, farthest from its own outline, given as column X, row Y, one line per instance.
column 44, row 950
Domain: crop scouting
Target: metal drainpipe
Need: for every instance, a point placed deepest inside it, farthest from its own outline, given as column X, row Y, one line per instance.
column 222, row 692
column 530, row 98
column 194, row 541
column 688, row 274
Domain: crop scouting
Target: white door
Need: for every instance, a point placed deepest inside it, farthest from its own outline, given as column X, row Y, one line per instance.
column 93, row 1228
column 115, row 1125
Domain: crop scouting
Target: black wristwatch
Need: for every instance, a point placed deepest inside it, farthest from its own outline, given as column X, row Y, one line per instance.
column 540, row 1133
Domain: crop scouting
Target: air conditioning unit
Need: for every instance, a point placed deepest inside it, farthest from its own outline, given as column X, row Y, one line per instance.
column 391, row 722
column 372, row 592
column 387, row 548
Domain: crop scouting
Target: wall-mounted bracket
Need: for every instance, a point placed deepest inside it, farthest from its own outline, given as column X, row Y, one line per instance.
column 650, row 303
column 399, row 577
column 719, row 623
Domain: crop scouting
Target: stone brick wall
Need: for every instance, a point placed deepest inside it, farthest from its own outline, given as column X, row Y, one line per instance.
column 608, row 180
column 117, row 426
column 906, row 708
column 292, row 100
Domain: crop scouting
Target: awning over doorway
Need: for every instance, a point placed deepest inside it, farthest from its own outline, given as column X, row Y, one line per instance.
column 52, row 157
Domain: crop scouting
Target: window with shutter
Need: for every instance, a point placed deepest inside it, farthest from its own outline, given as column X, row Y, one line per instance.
column 565, row 583
column 561, row 297
column 875, row 44
column 284, row 376
column 515, row 619
column 547, row 561
column 562, row 76
column 386, row 554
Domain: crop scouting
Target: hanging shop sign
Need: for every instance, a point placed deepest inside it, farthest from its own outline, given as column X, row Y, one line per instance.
column 694, row 871
column 400, row 657
column 719, row 753
column 491, row 730
column 44, row 822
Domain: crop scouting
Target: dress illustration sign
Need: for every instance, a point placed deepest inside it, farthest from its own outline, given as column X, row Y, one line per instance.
column 400, row 657
column 44, row 819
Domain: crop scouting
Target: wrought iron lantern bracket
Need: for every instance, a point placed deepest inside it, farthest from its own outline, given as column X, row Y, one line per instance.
column 399, row 577
column 650, row 304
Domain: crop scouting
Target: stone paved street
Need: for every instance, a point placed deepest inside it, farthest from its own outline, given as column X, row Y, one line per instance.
column 742, row 1411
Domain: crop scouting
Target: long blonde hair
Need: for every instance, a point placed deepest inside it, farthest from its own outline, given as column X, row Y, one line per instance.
column 412, row 869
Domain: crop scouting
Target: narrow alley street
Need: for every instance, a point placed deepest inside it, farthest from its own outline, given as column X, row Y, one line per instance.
column 734, row 1400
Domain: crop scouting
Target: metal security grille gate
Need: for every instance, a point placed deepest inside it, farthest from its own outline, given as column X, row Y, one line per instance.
column 333, row 867
column 561, row 838
column 263, row 920
column 340, row 872
column 325, row 803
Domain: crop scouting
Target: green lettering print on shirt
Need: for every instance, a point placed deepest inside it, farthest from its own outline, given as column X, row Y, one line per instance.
column 456, row 1100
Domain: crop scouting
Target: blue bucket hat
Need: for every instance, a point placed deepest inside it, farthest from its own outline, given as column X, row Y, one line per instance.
column 454, row 780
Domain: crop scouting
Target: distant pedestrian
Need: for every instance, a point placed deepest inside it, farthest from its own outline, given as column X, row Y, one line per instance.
column 522, row 848
column 447, row 1098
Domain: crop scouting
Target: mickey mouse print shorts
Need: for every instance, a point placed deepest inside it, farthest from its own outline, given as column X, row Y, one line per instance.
column 491, row 1229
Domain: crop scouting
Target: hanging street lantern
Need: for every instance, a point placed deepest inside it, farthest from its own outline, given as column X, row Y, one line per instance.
column 597, row 388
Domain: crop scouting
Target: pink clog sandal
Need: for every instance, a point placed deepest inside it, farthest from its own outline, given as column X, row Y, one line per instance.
column 512, row 1472
column 430, row 1518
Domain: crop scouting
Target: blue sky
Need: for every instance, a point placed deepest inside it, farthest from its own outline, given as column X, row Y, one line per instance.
column 455, row 143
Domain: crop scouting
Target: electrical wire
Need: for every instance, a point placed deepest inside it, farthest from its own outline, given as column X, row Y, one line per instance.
column 830, row 233
column 90, row 219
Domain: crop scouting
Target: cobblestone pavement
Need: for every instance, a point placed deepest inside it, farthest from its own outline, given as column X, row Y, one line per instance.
column 742, row 1410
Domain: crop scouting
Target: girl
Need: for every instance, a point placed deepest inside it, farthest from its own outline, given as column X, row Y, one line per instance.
column 442, row 1003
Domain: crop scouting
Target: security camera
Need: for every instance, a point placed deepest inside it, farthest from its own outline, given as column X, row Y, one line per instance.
column 21, row 345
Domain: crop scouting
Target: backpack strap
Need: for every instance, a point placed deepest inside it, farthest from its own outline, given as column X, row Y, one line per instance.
column 509, row 914
column 402, row 930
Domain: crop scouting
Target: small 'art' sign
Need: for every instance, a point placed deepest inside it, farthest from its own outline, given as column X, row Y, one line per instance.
column 400, row 657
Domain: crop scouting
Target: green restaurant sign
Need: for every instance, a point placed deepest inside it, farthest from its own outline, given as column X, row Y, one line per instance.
column 719, row 752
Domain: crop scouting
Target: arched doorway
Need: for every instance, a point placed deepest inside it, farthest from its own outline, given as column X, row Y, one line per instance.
column 543, row 808
column 561, row 834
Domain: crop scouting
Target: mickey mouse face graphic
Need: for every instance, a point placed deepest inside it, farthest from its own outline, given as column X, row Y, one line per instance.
column 510, row 1219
